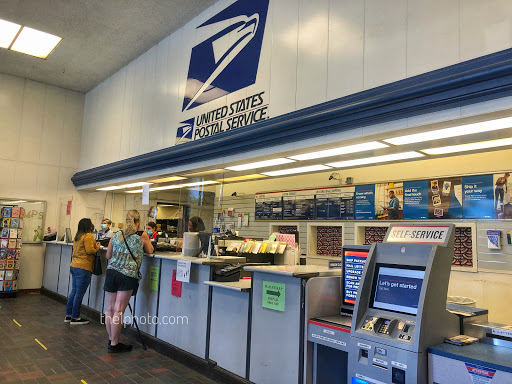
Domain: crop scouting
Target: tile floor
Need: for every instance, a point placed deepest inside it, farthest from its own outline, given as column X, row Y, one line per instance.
column 75, row 354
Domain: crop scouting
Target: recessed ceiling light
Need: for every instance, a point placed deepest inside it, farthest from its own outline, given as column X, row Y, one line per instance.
column 133, row 185
column 340, row 151
column 168, row 179
column 375, row 159
column 112, row 188
column 292, row 171
column 260, row 164
column 240, row 178
column 468, row 147
column 467, row 129
column 199, row 183
column 35, row 43
column 8, row 32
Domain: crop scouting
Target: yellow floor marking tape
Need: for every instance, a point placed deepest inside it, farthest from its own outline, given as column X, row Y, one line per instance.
column 18, row 324
column 41, row 344
column 83, row 381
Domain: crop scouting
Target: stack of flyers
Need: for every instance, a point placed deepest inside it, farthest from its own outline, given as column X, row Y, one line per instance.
column 6, row 223
column 22, row 213
column 16, row 264
column 461, row 340
column 273, row 247
column 11, row 254
column 256, row 247
column 20, row 225
column 15, row 285
column 3, row 253
column 15, row 222
column 2, row 274
column 15, row 212
column 5, row 233
column 11, row 244
column 13, row 233
column 8, row 275
column 281, row 248
column 9, row 264
column 4, row 243
column 18, row 243
column 20, row 233
column 2, row 264
column 15, row 274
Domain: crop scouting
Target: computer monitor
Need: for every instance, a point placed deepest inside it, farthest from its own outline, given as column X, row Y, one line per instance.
column 397, row 288
column 354, row 259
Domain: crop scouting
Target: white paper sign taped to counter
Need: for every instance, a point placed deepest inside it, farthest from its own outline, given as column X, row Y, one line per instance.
column 183, row 271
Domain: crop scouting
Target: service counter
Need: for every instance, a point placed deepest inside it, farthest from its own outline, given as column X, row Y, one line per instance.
column 278, row 321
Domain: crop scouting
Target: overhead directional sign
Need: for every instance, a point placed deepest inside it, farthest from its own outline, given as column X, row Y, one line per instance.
column 273, row 295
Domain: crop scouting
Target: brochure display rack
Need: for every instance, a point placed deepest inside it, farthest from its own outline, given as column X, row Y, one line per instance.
column 10, row 249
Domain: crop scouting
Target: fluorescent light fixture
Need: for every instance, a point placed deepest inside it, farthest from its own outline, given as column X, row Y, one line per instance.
column 135, row 185
column 13, row 202
column 376, row 159
column 292, row 171
column 168, row 179
column 135, row 191
column 35, row 43
column 199, row 183
column 461, row 130
column 468, row 147
column 340, row 151
column 116, row 187
column 204, row 173
column 260, row 164
column 112, row 188
column 241, row 178
column 8, row 32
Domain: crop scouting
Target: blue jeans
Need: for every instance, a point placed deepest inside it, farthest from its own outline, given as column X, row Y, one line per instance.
column 81, row 279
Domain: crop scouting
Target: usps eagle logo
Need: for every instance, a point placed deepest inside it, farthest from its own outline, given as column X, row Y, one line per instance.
column 227, row 57
column 185, row 131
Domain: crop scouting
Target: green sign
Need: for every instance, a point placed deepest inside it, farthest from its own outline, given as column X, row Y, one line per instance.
column 273, row 295
column 155, row 271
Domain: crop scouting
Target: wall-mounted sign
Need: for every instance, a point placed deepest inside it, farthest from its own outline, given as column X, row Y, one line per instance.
column 225, row 60
column 365, row 202
column 426, row 234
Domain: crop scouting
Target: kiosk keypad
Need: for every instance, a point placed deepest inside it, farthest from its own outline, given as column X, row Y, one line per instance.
column 383, row 326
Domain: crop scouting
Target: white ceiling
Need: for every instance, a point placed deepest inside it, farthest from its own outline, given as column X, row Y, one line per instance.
column 99, row 36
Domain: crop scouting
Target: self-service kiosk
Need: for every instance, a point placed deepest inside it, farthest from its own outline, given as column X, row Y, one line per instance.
column 400, row 309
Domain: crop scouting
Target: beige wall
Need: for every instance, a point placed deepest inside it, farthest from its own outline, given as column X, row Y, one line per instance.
column 40, row 127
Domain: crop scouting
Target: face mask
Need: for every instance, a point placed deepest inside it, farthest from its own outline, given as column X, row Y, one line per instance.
column 149, row 233
column 103, row 226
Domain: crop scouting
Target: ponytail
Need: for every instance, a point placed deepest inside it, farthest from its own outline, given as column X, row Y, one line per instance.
column 130, row 226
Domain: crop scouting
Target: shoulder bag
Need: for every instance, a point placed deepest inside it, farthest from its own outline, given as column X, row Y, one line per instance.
column 97, row 269
column 139, row 276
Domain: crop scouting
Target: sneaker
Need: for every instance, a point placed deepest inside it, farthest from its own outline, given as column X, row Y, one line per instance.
column 119, row 347
column 79, row 321
column 67, row 319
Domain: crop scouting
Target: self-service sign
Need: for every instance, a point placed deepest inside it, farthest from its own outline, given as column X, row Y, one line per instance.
column 427, row 234
column 273, row 295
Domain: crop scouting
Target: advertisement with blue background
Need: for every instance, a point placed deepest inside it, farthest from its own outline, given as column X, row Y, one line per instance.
column 365, row 202
column 416, row 199
column 478, row 197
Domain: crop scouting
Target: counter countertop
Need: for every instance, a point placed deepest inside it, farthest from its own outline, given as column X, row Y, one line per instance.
column 240, row 285
column 217, row 260
column 295, row 270
column 491, row 356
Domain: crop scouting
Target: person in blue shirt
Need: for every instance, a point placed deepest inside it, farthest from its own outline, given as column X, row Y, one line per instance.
column 104, row 232
column 393, row 206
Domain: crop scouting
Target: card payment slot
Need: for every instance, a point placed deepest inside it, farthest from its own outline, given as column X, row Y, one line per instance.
column 385, row 326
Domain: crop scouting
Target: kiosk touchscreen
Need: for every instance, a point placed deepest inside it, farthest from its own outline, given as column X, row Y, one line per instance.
column 400, row 310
